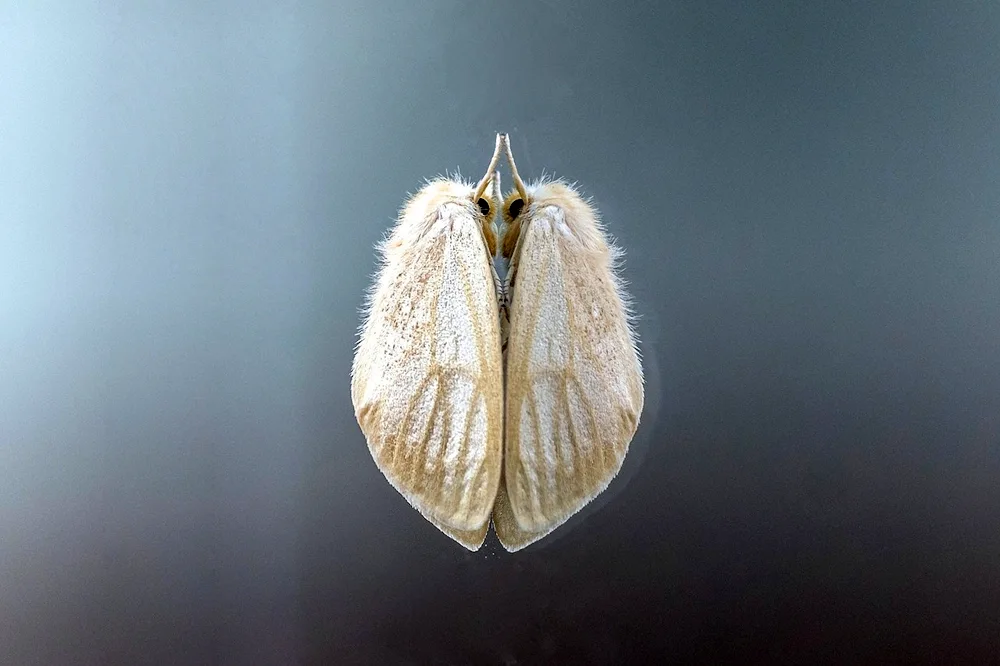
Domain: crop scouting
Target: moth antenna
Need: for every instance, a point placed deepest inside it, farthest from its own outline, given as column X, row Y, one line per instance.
column 490, row 170
column 518, row 183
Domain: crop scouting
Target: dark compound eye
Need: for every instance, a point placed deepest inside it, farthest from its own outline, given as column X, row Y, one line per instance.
column 515, row 208
column 484, row 206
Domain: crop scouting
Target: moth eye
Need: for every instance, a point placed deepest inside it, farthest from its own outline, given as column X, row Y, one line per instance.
column 484, row 207
column 515, row 207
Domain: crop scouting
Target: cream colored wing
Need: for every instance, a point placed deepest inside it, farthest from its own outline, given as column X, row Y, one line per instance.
column 511, row 536
column 574, row 388
column 427, row 376
column 472, row 539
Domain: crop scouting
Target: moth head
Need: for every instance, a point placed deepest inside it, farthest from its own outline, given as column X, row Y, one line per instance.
column 526, row 197
column 487, row 199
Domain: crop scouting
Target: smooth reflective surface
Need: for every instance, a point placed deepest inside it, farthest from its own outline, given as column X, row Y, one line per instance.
column 808, row 202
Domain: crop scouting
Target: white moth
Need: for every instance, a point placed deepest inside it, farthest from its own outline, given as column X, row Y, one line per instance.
column 514, row 401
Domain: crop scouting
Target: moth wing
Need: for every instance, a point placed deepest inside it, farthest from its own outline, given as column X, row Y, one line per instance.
column 574, row 381
column 511, row 535
column 427, row 376
column 472, row 539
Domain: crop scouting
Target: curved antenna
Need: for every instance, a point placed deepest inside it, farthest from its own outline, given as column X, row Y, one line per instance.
column 518, row 183
column 491, row 169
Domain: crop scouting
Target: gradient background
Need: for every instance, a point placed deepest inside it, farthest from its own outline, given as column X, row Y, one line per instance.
column 809, row 198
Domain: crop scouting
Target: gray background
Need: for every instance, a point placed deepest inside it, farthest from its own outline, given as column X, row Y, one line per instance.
column 808, row 196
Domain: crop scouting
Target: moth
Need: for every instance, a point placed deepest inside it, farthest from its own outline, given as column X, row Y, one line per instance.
column 486, row 400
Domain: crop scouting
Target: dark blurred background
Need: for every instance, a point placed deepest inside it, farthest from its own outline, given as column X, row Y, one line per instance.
column 809, row 198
